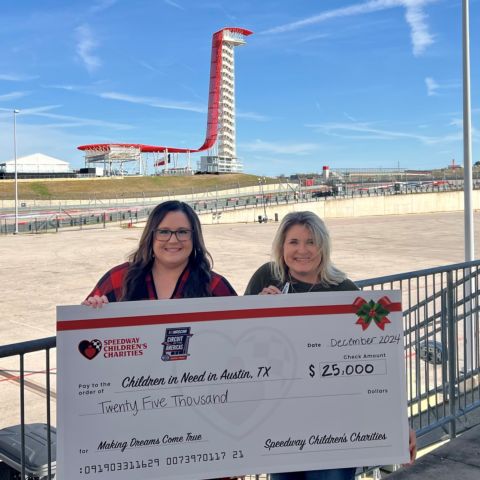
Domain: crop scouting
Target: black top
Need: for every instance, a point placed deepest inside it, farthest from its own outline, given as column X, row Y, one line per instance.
column 264, row 277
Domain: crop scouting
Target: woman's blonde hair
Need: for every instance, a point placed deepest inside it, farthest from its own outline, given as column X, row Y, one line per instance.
column 328, row 274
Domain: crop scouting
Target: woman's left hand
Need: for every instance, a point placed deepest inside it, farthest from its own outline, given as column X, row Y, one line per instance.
column 412, row 445
column 270, row 290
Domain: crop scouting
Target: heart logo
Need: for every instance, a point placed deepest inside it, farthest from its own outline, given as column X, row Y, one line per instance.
column 90, row 348
column 256, row 346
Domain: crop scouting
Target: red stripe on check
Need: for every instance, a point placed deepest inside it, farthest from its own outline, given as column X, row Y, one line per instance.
column 210, row 316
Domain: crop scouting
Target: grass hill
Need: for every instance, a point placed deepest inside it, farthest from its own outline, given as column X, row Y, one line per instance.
column 124, row 187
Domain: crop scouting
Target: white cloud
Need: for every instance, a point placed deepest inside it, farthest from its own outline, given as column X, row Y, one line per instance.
column 415, row 17
column 101, row 5
column 279, row 148
column 154, row 102
column 173, row 4
column 12, row 96
column 148, row 66
column 253, row 116
column 216, row 6
column 456, row 122
column 75, row 88
column 312, row 38
column 347, row 115
column 67, row 121
column 13, row 77
column 34, row 110
column 86, row 43
column 368, row 7
column 432, row 86
column 70, row 88
column 364, row 131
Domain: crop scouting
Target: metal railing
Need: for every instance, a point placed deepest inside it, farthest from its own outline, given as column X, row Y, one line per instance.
column 20, row 350
column 441, row 335
column 78, row 217
column 98, row 217
column 441, row 338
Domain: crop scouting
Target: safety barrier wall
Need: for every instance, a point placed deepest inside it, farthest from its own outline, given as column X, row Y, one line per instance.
column 249, row 208
column 339, row 207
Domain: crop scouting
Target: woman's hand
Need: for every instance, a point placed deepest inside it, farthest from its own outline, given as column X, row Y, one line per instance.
column 95, row 301
column 412, row 445
column 270, row 290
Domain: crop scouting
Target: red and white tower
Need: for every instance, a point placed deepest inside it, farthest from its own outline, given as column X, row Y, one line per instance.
column 220, row 136
column 223, row 157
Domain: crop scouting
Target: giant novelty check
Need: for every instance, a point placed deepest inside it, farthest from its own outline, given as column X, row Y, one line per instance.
column 204, row 388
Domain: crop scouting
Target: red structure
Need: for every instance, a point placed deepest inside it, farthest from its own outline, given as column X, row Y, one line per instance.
column 213, row 107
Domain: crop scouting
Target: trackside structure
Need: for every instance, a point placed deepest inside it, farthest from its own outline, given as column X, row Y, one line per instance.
column 225, row 159
column 220, row 138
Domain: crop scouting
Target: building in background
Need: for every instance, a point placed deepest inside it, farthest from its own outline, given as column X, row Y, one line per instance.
column 36, row 165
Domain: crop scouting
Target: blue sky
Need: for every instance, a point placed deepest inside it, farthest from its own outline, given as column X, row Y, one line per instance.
column 344, row 83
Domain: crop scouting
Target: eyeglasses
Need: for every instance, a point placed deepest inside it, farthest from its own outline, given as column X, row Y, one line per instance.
column 164, row 234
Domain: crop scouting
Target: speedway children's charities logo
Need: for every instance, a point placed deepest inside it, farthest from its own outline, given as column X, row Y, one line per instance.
column 175, row 346
column 112, row 347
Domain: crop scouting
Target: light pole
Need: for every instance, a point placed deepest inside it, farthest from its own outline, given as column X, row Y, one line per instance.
column 15, row 160
column 262, row 192
column 470, row 329
column 264, row 181
column 467, row 137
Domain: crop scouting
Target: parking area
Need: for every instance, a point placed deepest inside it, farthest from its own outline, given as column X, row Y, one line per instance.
column 42, row 271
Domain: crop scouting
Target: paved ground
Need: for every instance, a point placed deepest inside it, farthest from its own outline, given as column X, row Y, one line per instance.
column 41, row 271
column 457, row 459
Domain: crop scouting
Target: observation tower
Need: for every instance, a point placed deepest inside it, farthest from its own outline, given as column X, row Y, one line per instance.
column 220, row 139
column 224, row 159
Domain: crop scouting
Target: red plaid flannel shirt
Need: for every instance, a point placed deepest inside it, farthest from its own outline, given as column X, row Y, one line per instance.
column 111, row 285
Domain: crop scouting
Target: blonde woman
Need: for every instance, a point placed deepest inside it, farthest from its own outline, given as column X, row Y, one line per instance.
column 300, row 264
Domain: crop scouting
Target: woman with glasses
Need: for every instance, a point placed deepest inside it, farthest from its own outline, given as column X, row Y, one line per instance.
column 171, row 261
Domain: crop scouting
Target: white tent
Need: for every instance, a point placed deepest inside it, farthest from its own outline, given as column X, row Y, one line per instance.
column 36, row 163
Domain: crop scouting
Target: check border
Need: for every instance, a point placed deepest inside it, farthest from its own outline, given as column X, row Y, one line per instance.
column 212, row 316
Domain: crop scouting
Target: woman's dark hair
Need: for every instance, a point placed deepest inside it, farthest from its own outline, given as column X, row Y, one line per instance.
column 141, row 261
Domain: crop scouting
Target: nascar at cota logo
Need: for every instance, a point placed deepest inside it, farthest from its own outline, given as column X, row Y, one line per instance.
column 175, row 346
column 112, row 347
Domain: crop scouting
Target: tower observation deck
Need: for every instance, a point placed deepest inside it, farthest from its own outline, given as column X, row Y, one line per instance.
column 220, row 139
